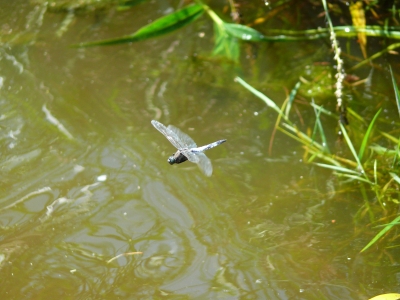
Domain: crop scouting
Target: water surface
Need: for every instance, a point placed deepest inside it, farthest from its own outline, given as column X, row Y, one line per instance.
column 86, row 178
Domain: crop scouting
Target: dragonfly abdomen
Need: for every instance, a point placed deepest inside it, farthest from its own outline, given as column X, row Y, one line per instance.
column 207, row 147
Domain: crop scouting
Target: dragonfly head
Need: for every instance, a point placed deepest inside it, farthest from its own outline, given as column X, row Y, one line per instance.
column 171, row 160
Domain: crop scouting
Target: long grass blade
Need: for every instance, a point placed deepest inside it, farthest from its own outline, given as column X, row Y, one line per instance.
column 367, row 135
column 292, row 96
column 304, row 139
column 376, row 55
column 355, row 115
column 390, row 137
column 260, row 95
column 381, row 233
column 338, row 168
column 396, row 89
column 353, row 177
column 351, row 147
column 318, row 125
column 340, row 31
column 323, row 110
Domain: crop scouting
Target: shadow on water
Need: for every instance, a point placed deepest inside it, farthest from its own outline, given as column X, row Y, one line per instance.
column 86, row 178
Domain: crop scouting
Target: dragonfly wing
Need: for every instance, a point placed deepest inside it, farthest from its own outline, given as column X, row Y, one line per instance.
column 191, row 156
column 204, row 164
column 186, row 140
column 169, row 134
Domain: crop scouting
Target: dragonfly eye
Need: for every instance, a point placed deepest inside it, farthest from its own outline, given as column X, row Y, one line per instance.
column 171, row 160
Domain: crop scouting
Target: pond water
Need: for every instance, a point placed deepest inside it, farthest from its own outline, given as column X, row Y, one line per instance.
column 90, row 208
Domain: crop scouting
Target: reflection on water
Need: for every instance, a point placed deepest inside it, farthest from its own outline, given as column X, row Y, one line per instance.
column 85, row 178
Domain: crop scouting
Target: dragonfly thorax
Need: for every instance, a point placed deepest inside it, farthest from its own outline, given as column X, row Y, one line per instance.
column 177, row 158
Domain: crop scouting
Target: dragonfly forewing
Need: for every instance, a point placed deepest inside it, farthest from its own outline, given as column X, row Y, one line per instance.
column 186, row 140
column 169, row 134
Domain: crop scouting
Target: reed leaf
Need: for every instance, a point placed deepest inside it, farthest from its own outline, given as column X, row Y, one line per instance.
column 161, row 26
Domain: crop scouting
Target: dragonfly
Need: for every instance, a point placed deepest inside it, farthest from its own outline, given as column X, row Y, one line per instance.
column 187, row 148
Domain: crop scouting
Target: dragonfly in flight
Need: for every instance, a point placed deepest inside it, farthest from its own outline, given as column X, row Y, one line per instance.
column 187, row 148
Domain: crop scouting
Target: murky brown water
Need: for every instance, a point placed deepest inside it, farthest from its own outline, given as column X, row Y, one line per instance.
column 85, row 176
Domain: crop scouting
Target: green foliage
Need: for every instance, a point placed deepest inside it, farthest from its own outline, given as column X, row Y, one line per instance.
column 228, row 35
column 382, row 233
column 159, row 27
column 356, row 169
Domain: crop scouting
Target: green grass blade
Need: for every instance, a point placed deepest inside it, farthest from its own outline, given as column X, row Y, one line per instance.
column 355, row 115
column 382, row 150
column 161, row 26
column 367, row 135
column 304, row 138
column 396, row 90
column 351, row 147
column 383, row 225
column 323, row 110
column 354, row 177
column 395, row 177
column 318, row 125
column 260, row 95
column 292, row 95
column 381, row 233
column 376, row 55
column 338, row 169
column 390, row 137
column 340, row 31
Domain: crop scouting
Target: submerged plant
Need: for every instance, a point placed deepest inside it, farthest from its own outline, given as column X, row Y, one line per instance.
column 366, row 172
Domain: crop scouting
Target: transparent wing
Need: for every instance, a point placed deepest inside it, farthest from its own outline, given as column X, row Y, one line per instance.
column 185, row 143
column 183, row 137
column 204, row 164
column 190, row 155
column 169, row 134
